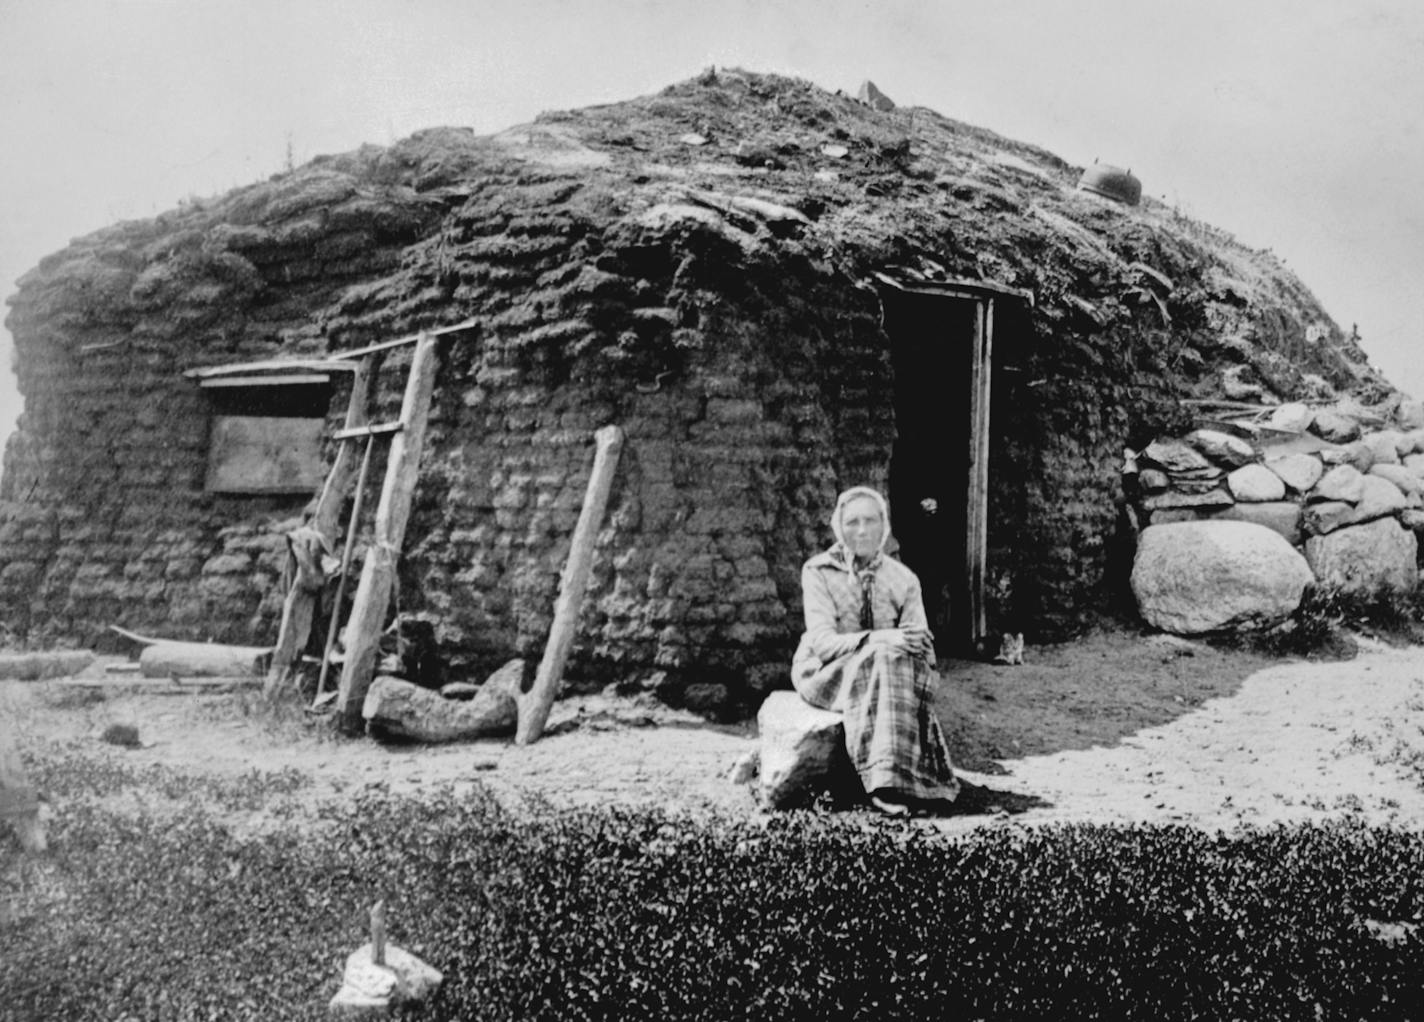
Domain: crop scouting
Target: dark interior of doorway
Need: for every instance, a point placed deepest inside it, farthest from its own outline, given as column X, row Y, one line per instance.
column 932, row 343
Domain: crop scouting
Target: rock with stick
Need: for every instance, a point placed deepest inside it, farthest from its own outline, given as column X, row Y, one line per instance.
column 379, row 976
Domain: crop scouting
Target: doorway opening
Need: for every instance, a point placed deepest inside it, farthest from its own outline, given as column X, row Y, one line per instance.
column 942, row 344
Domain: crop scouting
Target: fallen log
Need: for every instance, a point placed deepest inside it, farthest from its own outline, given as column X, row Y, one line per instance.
column 401, row 709
column 38, row 666
column 202, row 660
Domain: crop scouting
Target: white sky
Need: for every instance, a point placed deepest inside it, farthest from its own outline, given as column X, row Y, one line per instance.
column 1295, row 124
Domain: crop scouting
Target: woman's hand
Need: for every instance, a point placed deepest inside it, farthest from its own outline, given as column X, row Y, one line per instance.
column 914, row 641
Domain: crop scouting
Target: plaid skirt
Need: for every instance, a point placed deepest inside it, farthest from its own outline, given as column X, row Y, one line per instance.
column 892, row 734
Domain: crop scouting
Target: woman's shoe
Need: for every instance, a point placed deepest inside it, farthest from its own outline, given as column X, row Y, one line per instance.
column 888, row 808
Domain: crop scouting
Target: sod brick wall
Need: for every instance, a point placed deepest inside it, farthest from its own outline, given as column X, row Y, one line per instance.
column 719, row 310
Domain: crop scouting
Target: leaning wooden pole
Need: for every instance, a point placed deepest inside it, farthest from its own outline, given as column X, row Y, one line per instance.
column 373, row 593
column 19, row 806
column 300, row 604
column 535, row 704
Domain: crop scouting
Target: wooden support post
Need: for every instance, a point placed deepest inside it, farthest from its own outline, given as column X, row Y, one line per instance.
column 300, row 604
column 535, row 704
column 373, row 593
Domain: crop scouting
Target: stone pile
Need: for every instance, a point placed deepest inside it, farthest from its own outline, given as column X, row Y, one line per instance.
column 1347, row 495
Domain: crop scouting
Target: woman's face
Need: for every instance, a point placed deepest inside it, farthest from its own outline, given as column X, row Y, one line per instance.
column 862, row 526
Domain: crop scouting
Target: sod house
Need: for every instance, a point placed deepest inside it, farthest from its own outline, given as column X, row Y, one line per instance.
column 774, row 290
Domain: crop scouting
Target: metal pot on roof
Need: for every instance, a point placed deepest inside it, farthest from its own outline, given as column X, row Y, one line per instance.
column 1111, row 183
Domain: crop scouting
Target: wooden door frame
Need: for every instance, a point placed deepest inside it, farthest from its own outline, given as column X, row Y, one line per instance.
column 976, row 538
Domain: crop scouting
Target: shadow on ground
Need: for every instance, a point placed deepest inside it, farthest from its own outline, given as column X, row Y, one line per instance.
column 980, row 800
column 1095, row 690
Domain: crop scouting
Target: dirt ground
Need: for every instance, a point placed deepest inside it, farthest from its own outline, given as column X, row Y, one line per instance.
column 1114, row 727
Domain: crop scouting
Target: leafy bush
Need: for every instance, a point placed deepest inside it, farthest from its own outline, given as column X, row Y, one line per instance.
column 617, row 913
column 1320, row 627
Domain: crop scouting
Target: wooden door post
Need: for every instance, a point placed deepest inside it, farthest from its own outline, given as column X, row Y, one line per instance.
column 534, row 705
column 976, row 541
column 368, row 608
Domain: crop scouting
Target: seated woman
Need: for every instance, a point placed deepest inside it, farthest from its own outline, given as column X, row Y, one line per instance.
column 868, row 653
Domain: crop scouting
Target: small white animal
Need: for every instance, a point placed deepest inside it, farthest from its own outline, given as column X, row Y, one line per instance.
column 1011, row 649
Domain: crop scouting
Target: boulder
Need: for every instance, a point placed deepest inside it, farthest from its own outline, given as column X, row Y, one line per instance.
column 1384, row 446
column 1280, row 516
column 1194, row 486
column 1196, row 577
column 1255, row 483
column 802, row 749
column 1343, row 482
column 1326, row 516
column 1415, row 463
column 1329, row 424
column 1298, row 471
column 1414, row 440
column 1222, row 448
column 1363, row 557
column 1204, row 474
column 1237, row 388
column 1378, row 497
column 400, row 708
column 873, row 97
column 1412, row 519
column 1175, row 499
column 1359, row 454
column 1405, row 480
column 1152, row 480
column 1174, row 456
column 1166, row 516
column 1410, row 414
column 1292, row 418
column 746, row 768
column 369, row 990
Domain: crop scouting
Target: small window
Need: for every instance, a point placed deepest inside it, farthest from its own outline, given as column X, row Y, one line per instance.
column 267, row 433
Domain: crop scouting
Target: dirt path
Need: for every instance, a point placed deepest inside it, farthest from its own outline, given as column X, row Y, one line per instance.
column 1298, row 741
column 1286, row 742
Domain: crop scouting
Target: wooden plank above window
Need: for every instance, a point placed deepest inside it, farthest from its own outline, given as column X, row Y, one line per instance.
column 290, row 380
column 325, row 366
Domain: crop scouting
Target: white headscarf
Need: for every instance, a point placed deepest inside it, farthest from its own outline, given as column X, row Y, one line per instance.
column 849, row 495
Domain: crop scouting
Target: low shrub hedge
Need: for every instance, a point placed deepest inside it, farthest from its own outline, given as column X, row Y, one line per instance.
column 615, row 913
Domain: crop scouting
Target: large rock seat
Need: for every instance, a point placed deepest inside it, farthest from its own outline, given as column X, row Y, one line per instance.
column 803, row 750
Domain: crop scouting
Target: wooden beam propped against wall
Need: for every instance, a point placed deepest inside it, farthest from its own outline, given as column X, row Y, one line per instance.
column 534, row 705
column 378, row 573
